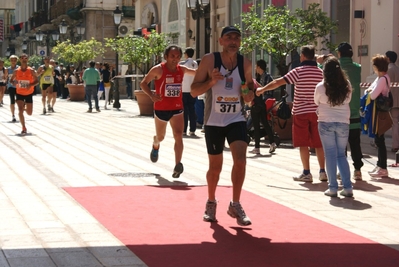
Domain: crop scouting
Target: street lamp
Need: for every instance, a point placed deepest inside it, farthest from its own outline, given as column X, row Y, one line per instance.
column 80, row 30
column 40, row 35
column 117, row 21
column 198, row 10
column 63, row 27
column 24, row 46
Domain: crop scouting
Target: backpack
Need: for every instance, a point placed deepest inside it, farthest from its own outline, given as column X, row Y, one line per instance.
column 283, row 113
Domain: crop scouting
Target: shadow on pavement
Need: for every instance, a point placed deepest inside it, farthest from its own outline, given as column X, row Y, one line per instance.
column 349, row 203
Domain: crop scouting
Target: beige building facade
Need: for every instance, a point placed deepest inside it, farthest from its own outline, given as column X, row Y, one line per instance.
column 370, row 26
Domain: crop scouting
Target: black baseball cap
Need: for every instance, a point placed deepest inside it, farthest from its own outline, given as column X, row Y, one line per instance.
column 344, row 48
column 230, row 29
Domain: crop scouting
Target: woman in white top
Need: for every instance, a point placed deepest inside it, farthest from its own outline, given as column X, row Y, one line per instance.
column 3, row 79
column 380, row 86
column 333, row 95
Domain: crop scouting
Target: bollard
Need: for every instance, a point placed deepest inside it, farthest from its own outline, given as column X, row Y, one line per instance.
column 117, row 104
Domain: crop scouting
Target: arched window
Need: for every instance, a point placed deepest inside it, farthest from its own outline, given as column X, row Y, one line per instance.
column 173, row 11
column 173, row 20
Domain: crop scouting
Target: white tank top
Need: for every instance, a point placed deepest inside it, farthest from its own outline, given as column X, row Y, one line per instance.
column 3, row 78
column 223, row 104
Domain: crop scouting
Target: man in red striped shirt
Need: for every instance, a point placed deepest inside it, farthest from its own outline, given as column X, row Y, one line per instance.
column 304, row 130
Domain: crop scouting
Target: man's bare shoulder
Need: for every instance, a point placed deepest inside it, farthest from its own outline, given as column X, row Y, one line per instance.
column 208, row 60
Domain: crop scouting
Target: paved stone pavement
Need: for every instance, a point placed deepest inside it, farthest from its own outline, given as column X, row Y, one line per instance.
column 41, row 225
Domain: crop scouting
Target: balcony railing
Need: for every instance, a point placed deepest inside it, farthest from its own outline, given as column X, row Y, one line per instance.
column 39, row 18
column 61, row 7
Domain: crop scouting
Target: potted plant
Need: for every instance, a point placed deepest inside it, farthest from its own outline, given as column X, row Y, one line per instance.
column 78, row 53
column 143, row 53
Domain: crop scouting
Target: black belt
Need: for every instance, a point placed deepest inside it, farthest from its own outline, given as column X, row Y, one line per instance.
column 355, row 120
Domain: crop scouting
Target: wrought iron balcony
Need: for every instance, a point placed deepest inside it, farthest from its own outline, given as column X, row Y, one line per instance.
column 61, row 7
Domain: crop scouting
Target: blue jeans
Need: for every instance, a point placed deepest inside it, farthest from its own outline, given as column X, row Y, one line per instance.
column 129, row 89
column 91, row 91
column 334, row 137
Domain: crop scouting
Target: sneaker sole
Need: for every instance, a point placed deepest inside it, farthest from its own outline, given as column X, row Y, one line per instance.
column 178, row 170
column 381, row 176
column 154, row 158
column 209, row 219
column 346, row 195
column 331, row 195
column 300, row 180
column 238, row 222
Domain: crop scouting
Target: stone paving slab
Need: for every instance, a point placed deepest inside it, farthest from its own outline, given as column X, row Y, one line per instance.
column 43, row 226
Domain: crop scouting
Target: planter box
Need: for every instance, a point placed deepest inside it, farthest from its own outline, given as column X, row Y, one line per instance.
column 146, row 106
column 76, row 92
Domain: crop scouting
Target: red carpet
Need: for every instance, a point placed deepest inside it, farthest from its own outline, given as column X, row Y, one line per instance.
column 164, row 227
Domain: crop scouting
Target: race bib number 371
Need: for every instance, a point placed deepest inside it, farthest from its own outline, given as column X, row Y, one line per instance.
column 172, row 90
column 227, row 104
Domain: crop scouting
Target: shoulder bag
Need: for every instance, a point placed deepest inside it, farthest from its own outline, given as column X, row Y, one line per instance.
column 384, row 103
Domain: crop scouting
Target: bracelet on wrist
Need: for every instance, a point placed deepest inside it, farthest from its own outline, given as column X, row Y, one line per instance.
column 245, row 91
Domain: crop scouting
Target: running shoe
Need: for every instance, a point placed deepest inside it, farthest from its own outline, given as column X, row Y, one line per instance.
column 357, row 175
column 379, row 172
column 323, row 176
column 236, row 211
column 304, row 178
column 44, row 111
column 346, row 193
column 89, row 110
column 330, row 193
column 178, row 170
column 273, row 147
column 98, row 110
column 373, row 170
column 23, row 132
column 210, row 211
column 255, row 151
column 13, row 119
column 154, row 154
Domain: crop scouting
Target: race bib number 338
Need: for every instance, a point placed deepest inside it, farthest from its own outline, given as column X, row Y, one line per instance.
column 172, row 90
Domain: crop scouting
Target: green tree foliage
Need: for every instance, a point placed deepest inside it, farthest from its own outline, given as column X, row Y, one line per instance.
column 140, row 51
column 280, row 32
column 80, row 52
column 34, row 61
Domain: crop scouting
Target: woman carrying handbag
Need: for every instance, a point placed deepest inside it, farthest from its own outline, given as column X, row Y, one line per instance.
column 382, row 120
